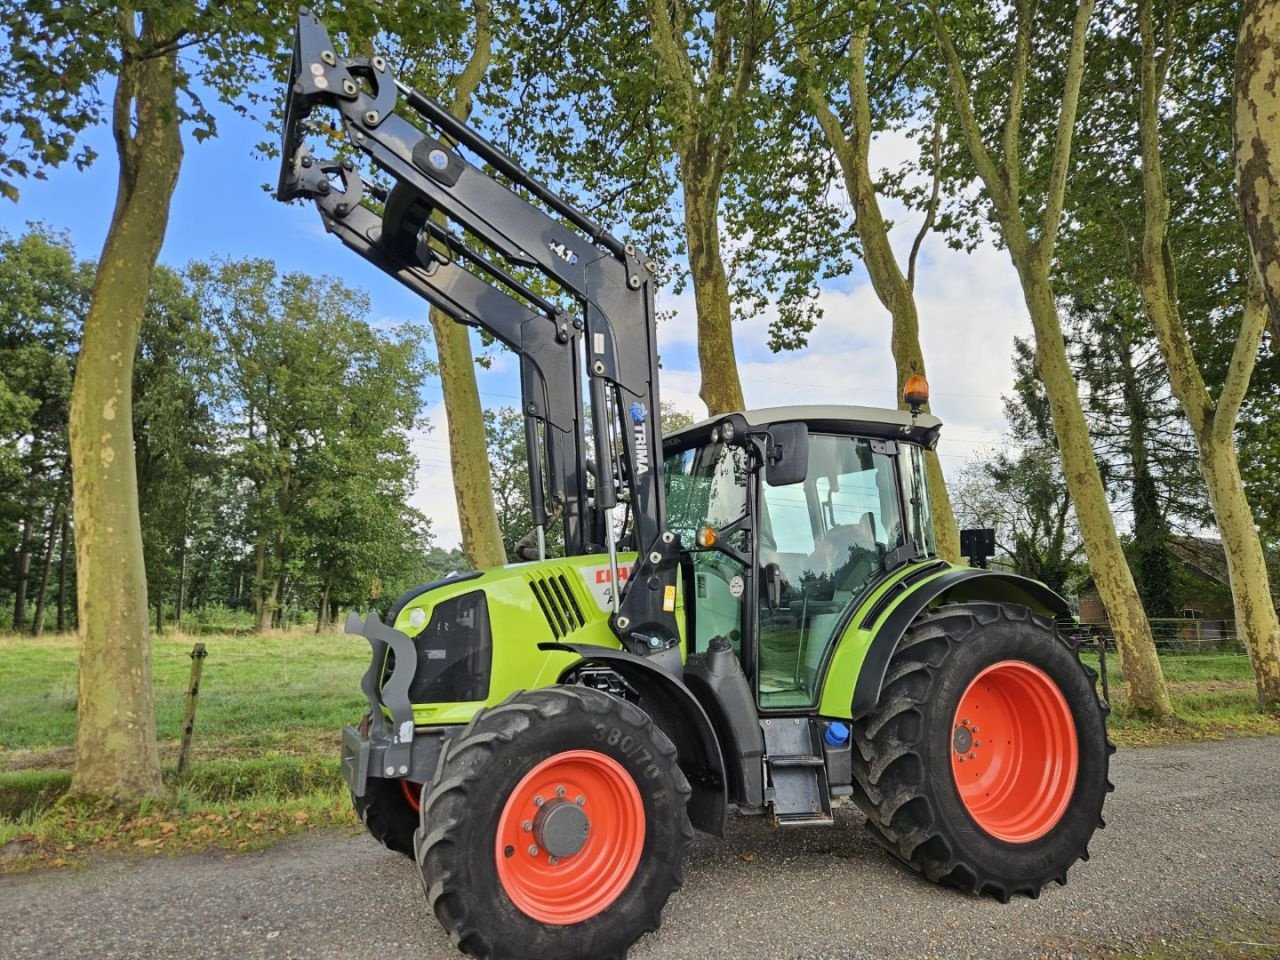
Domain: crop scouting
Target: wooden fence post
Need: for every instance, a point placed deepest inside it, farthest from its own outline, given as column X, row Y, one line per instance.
column 197, row 655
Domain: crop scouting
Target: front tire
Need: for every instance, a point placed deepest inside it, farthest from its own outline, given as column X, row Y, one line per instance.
column 985, row 763
column 554, row 828
column 390, row 812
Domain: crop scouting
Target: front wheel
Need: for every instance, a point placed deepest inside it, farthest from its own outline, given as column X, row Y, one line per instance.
column 985, row 763
column 389, row 809
column 554, row 828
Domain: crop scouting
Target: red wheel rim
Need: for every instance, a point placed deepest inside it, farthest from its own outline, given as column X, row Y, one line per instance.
column 597, row 799
column 412, row 793
column 1014, row 753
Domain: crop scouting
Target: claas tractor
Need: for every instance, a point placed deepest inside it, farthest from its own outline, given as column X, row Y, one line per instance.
column 747, row 616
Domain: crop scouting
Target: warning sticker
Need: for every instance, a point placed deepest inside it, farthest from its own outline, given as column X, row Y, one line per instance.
column 736, row 586
column 668, row 598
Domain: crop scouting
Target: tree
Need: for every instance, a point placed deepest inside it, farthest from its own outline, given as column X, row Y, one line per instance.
column 707, row 59
column 61, row 56
column 61, row 53
column 848, row 122
column 175, row 438
column 482, row 536
column 43, row 296
column 1257, row 144
column 1028, row 227
column 1212, row 420
column 316, row 408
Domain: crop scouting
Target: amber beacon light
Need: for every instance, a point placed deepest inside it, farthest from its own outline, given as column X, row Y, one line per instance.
column 915, row 392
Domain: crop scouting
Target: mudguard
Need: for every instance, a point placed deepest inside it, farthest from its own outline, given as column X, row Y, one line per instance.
column 680, row 716
column 956, row 586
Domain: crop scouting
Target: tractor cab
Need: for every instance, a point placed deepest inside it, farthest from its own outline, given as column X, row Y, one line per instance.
column 777, row 567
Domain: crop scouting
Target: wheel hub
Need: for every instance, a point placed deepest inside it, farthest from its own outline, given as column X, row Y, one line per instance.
column 561, row 828
column 1016, row 776
column 570, row 837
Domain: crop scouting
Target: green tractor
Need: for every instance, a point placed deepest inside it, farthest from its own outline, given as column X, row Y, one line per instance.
column 749, row 617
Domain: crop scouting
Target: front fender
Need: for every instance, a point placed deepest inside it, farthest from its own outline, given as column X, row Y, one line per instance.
column 680, row 716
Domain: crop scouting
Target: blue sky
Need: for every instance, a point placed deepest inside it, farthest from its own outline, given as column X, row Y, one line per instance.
column 970, row 306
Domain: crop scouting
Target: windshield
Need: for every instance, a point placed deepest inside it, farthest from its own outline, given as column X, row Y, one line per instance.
column 706, row 486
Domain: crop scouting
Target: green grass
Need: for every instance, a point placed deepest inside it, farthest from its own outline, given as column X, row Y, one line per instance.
column 274, row 692
column 1213, row 695
column 264, row 758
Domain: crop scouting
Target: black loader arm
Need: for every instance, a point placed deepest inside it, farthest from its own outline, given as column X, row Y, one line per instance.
column 457, row 222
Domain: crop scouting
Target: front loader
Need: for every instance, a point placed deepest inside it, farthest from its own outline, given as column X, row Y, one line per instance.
column 749, row 617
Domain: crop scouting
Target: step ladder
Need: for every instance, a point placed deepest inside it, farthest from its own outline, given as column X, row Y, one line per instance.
column 796, row 789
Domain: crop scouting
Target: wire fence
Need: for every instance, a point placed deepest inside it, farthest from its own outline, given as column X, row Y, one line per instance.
column 1174, row 635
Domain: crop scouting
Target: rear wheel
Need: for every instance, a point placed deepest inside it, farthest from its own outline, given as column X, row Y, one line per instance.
column 555, row 828
column 985, row 763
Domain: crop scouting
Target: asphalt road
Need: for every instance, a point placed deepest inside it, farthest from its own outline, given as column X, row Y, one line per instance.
column 1193, row 843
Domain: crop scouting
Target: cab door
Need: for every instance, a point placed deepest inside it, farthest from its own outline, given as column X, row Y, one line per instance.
column 829, row 537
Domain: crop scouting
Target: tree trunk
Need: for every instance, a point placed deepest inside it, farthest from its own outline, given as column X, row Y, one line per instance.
column 1107, row 564
column 703, row 107
column 264, row 602
column 182, row 582
column 322, row 615
column 62, row 569
column 721, row 389
column 1257, row 143
column 1032, row 258
column 46, row 566
column 116, row 755
column 24, row 572
column 468, row 454
column 472, row 479
column 1255, row 613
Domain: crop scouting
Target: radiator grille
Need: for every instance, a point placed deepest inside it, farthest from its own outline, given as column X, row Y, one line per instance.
column 558, row 603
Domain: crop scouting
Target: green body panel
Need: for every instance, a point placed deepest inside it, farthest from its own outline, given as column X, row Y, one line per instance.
column 851, row 649
column 518, row 625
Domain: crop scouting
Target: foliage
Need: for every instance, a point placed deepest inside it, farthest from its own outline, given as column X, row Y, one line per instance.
column 316, row 408
column 44, row 293
column 245, row 382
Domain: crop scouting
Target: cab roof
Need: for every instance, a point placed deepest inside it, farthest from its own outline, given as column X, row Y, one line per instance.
column 879, row 422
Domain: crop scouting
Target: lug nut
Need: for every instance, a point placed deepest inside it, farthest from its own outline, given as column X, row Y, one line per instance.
column 527, row 825
column 538, row 801
column 581, row 801
column 533, row 849
column 553, row 860
column 560, row 791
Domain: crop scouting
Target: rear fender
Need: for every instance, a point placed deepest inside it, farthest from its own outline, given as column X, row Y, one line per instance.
column 679, row 715
column 956, row 586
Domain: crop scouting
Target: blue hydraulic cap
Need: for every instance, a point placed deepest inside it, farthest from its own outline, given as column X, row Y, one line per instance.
column 837, row 733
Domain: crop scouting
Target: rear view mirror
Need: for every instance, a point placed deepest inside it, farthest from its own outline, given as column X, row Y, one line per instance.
column 786, row 454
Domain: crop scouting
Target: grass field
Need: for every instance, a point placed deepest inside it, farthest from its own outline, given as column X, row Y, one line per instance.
column 264, row 760
column 265, row 755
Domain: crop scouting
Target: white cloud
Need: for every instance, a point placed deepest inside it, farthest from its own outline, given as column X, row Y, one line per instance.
column 434, row 493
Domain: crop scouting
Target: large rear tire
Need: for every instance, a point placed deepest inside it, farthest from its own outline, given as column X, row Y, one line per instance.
column 554, row 828
column 985, row 763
